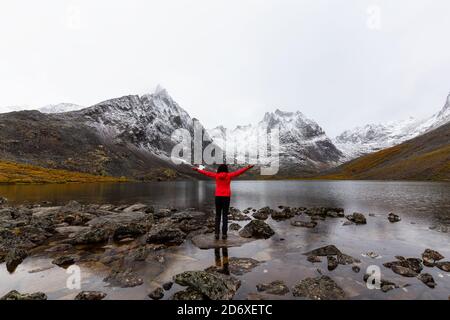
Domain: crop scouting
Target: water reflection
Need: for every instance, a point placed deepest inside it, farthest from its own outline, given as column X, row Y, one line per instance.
column 222, row 262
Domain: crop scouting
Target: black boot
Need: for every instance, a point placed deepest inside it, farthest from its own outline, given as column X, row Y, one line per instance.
column 224, row 236
column 217, row 236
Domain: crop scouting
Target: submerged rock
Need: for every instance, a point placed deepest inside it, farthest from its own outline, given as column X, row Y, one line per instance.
column 393, row 218
column 319, row 288
column 237, row 266
column 357, row 218
column 385, row 285
column 257, row 229
column 90, row 295
column 188, row 295
column 430, row 257
column 236, row 215
column 276, row 287
column 157, row 294
column 212, row 285
column 310, row 224
column 123, row 278
column 15, row 295
column 324, row 251
column 427, row 279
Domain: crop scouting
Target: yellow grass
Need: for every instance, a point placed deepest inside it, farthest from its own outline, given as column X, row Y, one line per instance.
column 16, row 173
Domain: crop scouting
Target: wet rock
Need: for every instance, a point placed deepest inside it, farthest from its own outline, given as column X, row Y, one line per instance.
column 403, row 271
column 162, row 213
column 237, row 266
column 212, row 285
column 139, row 254
column 430, row 257
column 276, row 287
column 345, row 259
column 385, row 285
column 285, row 214
column 393, row 218
column 157, row 294
column 347, row 223
column 324, row 251
column 166, row 235
column 234, row 227
column 314, row 259
column 236, row 215
column 319, row 288
column 255, row 296
column 59, row 248
column 409, row 267
column 14, row 257
column 65, row 261
column 372, row 255
column 444, row 266
column 90, row 236
column 135, row 207
column 332, row 263
column 356, row 269
column 427, row 279
column 123, row 278
column 15, row 295
column 90, row 295
column 357, row 218
column 167, row 285
column 310, row 224
column 260, row 215
column 188, row 295
column 132, row 230
column 257, row 229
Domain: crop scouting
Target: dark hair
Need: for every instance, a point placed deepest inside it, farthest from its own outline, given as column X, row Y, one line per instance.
column 222, row 168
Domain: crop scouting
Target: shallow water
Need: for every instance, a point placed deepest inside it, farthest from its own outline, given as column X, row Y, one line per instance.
column 420, row 205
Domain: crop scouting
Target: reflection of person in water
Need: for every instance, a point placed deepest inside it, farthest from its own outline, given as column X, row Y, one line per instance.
column 223, row 194
column 219, row 262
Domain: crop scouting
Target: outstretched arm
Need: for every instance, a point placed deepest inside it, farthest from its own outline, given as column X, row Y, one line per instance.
column 240, row 171
column 204, row 172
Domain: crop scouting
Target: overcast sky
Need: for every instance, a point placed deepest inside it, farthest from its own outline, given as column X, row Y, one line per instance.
column 341, row 62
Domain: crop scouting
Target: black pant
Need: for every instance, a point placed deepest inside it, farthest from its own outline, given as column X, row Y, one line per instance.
column 222, row 207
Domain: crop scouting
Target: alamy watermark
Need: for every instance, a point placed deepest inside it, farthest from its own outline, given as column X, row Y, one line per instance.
column 261, row 147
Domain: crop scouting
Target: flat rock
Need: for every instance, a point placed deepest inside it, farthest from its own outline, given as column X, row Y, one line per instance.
column 188, row 295
column 444, row 266
column 123, row 278
column 304, row 224
column 207, row 241
column 430, row 257
column 276, row 287
column 319, row 288
column 237, row 266
column 427, row 279
column 157, row 294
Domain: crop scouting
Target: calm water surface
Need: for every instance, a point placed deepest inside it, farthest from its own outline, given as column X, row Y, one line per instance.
column 420, row 204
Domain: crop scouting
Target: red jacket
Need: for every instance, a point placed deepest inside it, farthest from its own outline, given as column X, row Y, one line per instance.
column 223, row 180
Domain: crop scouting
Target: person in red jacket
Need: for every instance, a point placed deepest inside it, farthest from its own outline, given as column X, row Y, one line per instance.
column 223, row 194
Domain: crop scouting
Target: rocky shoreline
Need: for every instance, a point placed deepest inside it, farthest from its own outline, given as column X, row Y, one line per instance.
column 123, row 238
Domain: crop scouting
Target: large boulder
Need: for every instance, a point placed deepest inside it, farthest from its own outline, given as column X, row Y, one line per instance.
column 166, row 235
column 319, row 288
column 257, row 229
column 212, row 285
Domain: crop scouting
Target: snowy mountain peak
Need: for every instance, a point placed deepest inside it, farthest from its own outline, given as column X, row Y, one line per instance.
column 60, row 108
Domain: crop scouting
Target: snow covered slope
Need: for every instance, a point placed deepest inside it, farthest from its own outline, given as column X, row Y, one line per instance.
column 374, row 137
column 60, row 108
column 304, row 146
